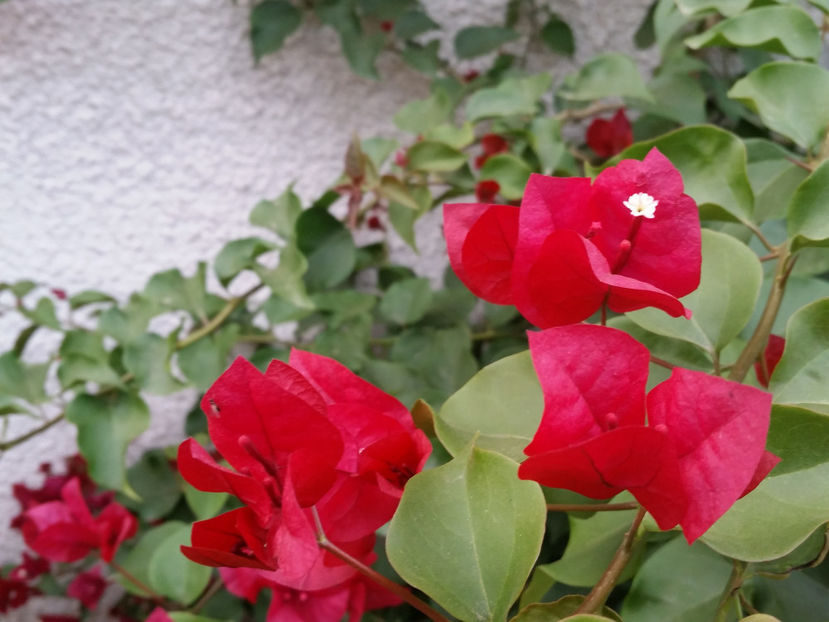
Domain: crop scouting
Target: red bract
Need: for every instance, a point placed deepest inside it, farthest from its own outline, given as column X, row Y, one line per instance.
column 771, row 356
column 486, row 190
column 66, row 530
column 307, row 440
column 629, row 240
column 88, row 587
column 702, row 449
column 607, row 137
column 354, row 596
column 14, row 593
column 491, row 145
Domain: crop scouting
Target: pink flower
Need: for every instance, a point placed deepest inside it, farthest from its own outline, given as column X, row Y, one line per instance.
column 628, row 240
column 609, row 137
column 702, row 447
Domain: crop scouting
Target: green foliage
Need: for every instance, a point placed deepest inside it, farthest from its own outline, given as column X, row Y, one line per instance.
column 607, row 75
column 271, row 22
column 477, row 40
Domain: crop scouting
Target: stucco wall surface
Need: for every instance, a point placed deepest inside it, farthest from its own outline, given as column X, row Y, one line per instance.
column 136, row 136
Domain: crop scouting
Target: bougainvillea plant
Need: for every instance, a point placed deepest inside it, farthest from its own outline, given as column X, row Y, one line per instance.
column 613, row 406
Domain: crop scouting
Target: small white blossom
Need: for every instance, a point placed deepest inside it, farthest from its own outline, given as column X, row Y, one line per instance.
column 641, row 204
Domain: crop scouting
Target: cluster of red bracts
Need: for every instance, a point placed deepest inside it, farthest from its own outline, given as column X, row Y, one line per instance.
column 315, row 452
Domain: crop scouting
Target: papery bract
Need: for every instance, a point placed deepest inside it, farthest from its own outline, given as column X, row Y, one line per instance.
column 88, row 587
column 773, row 352
column 607, row 137
column 702, row 447
column 308, row 442
column 491, row 144
column 67, row 531
column 628, row 240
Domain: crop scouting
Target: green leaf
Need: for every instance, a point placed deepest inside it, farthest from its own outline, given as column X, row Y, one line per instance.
column 512, row 96
column 501, row 406
column 148, row 359
column 607, row 75
column 423, row 58
column 155, row 482
column 774, row 177
column 562, row 609
column 106, row 425
column 413, row 23
column 346, row 343
column 790, row 98
column 791, row 502
column 678, row 582
column 447, row 133
column 725, row 7
column 434, row 157
column 679, row 97
column 377, row 149
column 204, row 360
column 328, row 247
column 421, row 115
column 778, row 29
column 808, row 216
column 278, row 215
column 286, row 280
column 361, row 50
column 171, row 574
column 558, row 36
column 722, row 304
column 129, row 323
column 593, row 543
column 406, row 302
column 467, row 533
column 137, row 561
column 88, row 297
column 344, row 304
column 802, row 596
column 172, row 291
column 511, row 173
column 271, row 21
column 22, row 380
column 204, row 504
column 183, row 616
column 545, row 139
column 239, row 255
column 43, row 314
column 713, row 166
column 75, row 368
column 676, row 351
column 395, row 190
column 802, row 375
column 478, row 40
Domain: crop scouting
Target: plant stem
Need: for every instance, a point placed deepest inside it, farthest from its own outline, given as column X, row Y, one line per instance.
column 763, row 239
column 577, row 114
column 661, row 362
column 598, row 595
column 152, row 594
column 594, row 507
column 757, row 343
column 209, row 592
column 34, row 432
column 375, row 576
column 217, row 319
column 731, row 589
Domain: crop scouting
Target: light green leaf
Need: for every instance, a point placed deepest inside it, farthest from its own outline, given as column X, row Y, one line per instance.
column 434, row 157
column 423, row 58
column 760, row 617
column 204, row 504
column 511, row 173
column 501, row 406
column 676, row 351
column 478, row 40
column 421, row 115
column 43, row 314
column 722, row 305
column 791, row 502
column 562, row 609
column 678, row 582
column 467, row 533
column 286, row 280
column 395, row 190
column 777, row 29
column 271, row 22
column 22, row 380
column 278, row 215
column 726, row 7
column 106, row 425
column 679, row 97
column 406, row 301
column 129, row 323
column 171, row 574
column 87, row 297
column 75, row 367
column 239, row 255
column 447, row 133
column 513, row 96
column 148, row 359
column 713, row 166
column 155, row 482
column 172, row 291
column 607, row 75
column 137, row 561
column 790, row 98
column 808, row 216
column 802, row 375
column 328, row 247
column 413, row 23
column 377, row 149
column 774, row 177
column 545, row 139
column 204, row 360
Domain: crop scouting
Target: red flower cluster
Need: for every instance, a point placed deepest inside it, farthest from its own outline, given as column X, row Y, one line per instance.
column 491, row 144
column 312, row 447
column 355, row 596
column 65, row 530
column 486, row 190
column 609, row 137
column 702, row 449
column 630, row 239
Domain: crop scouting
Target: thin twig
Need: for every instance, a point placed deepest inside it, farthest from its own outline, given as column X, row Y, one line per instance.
column 34, row 432
column 661, row 362
column 577, row 114
column 594, row 507
column 598, row 595
column 217, row 319
column 763, row 239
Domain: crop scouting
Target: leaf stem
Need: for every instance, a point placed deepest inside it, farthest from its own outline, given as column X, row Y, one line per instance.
column 763, row 239
column 757, row 343
column 375, row 576
column 31, row 433
column 598, row 595
column 591, row 507
column 731, row 590
column 218, row 319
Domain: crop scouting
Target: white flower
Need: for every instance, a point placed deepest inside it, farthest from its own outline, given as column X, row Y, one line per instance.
column 641, row 204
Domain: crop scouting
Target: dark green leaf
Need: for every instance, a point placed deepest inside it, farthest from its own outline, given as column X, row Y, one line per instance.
column 328, row 247
column 173, row 291
column 413, row 23
column 361, row 50
column 558, row 36
column 286, row 280
column 467, row 533
column 645, row 36
column 106, row 425
column 774, row 177
column 478, row 40
column 148, row 359
column 22, row 339
column 155, row 482
column 425, row 58
column 239, row 255
column 562, row 609
column 271, row 21
column 406, row 302
column 171, row 574
column 808, row 215
column 278, row 215
column 204, row 360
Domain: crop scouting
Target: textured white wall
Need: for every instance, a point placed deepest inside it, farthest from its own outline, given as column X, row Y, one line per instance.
column 136, row 136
